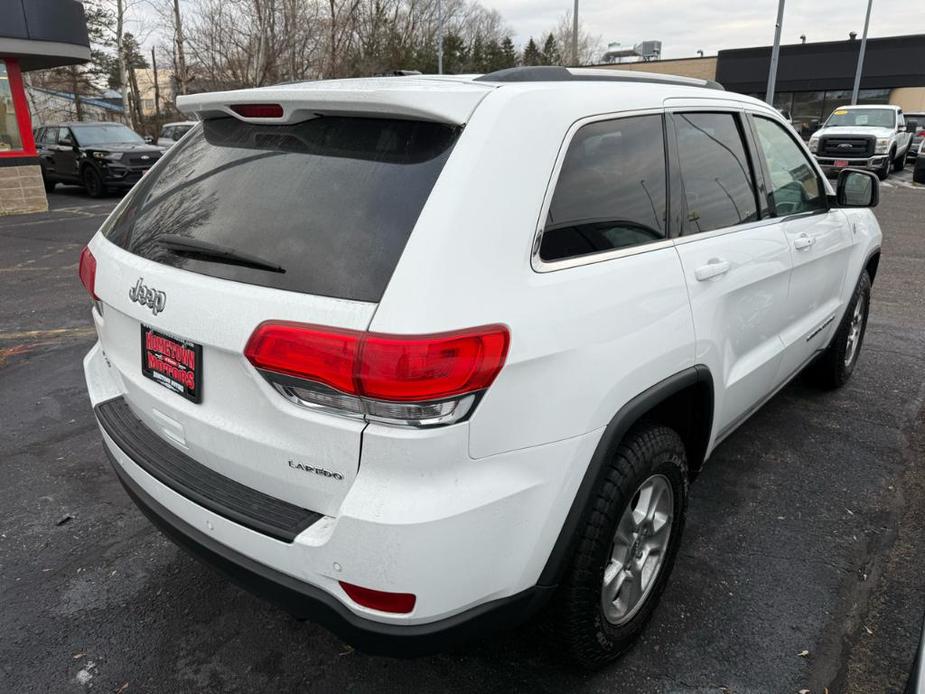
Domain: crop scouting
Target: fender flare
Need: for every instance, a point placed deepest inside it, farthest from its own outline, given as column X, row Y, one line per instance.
column 625, row 418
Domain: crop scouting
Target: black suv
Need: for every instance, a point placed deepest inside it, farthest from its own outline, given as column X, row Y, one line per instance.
column 97, row 155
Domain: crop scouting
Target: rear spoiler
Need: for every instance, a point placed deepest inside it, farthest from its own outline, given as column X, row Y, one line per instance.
column 441, row 101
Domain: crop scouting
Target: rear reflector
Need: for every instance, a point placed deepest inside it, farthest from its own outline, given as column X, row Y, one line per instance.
column 87, row 272
column 258, row 110
column 391, row 368
column 398, row 603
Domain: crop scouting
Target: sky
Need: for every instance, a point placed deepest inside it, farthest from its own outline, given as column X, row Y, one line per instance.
column 686, row 26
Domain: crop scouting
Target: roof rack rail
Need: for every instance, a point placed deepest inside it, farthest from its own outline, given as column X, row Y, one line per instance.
column 554, row 73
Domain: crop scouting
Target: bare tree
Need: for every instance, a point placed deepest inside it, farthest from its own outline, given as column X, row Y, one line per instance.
column 589, row 46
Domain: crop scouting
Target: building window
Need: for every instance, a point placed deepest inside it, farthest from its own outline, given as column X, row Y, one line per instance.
column 10, row 139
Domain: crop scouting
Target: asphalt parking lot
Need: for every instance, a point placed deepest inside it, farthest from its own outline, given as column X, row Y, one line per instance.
column 801, row 567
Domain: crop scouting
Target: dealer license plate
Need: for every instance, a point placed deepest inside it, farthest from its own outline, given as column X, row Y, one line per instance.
column 174, row 363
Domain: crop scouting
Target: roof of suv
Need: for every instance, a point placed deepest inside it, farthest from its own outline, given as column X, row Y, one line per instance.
column 441, row 98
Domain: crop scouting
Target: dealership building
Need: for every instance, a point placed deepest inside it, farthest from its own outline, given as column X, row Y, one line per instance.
column 34, row 35
column 813, row 79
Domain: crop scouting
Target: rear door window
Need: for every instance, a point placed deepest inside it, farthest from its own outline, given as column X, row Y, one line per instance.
column 716, row 171
column 331, row 201
column 611, row 192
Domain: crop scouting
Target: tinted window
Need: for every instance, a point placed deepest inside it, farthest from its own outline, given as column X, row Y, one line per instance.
column 611, row 190
column 331, row 200
column 794, row 186
column 65, row 137
column 718, row 182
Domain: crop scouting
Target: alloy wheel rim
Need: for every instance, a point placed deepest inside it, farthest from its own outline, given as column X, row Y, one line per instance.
column 638, row 550
column 854, row 331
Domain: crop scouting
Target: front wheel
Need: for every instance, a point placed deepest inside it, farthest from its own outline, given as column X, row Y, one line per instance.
column 93, row 183
column 883, row 172
column 47, row 182
column 835, row 365
column 625, row 551
column 899, row 163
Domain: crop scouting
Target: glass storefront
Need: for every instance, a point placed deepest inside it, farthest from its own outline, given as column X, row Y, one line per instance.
column 809, row 109
column 10, row 139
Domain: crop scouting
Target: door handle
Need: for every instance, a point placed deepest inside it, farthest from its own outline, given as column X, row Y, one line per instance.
column 803, row 241
column 715, row 267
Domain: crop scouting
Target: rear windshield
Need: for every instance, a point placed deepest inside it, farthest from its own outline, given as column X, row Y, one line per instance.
column 331, row 201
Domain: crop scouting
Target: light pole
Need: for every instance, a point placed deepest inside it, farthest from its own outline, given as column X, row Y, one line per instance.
column 575, row 35
column 857, row 74
column 775, row 54
column 439, row 37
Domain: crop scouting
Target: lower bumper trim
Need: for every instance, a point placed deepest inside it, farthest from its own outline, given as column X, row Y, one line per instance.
column 311, row 603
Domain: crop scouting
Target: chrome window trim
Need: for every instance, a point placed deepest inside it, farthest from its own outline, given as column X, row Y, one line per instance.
column 540, row 265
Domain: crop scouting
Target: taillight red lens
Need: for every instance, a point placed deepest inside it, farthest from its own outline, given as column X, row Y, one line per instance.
column 324, row 355
column 87, row 271
column 399, row 603
column 394, row 368
column 433, row 367
column 258, row 110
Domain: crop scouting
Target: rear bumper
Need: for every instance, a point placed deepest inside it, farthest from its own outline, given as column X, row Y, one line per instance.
column 468, row 537
column 308, row 602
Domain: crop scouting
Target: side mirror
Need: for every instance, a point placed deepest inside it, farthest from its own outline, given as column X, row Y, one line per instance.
column 856, row 188
column 912, row 126
column 901, row 128
column 148, row 139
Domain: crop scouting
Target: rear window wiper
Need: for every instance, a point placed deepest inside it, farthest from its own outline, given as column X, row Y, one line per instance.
column 204, row 250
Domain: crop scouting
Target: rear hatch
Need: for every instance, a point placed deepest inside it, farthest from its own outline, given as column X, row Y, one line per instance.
column 245, row 222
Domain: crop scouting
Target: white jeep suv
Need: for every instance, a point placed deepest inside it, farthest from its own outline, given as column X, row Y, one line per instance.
column 417, row 357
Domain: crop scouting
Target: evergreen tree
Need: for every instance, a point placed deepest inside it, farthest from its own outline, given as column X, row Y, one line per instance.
column 551, row 54
column 455, row 55
column 508, row 54
column 478, row 56
column 532, row 55
column 134, row 59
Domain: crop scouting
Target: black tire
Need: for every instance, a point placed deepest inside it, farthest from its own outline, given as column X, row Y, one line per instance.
column 93, row 182
column 833, row 368
column 899, row 163
column 48, row 183
column 587, row 636
column 918, row 173
column 883, row 172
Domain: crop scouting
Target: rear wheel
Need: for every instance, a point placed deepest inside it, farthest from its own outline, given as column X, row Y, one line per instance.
column 835, row 365
column 93, row 183
column 626, row 550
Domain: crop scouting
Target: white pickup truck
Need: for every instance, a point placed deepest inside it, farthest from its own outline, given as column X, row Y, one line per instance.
column 863, row 137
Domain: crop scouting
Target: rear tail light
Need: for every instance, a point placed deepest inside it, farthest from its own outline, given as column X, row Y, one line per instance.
column 87, row 272
column 258, row 110
column 398, row 603
column 419, row 380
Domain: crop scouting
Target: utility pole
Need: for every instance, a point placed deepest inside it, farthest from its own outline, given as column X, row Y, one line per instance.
column 178, row 39
column 157, row 89
column 775, row 54
column 575, row 35
column 857, row 74
column 439, row 37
